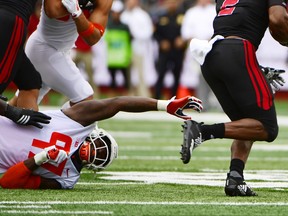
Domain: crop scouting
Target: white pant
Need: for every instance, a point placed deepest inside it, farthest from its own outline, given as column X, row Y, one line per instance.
column 58, row 71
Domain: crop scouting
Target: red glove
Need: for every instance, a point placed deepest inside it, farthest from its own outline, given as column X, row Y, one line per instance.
column 176, row 106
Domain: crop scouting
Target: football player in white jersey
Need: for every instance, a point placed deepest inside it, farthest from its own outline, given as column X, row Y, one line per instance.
column 53, row 158
column 49, row 46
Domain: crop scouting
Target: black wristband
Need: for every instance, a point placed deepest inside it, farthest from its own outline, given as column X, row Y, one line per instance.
column 12, row 113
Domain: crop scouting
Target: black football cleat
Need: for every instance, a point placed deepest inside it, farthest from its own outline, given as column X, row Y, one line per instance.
column 192, row 138
column 237, row 187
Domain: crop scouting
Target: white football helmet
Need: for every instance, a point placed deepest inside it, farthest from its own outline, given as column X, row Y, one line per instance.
column 98, row 150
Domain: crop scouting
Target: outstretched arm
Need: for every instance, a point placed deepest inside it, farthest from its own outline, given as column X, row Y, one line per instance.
column 88, row 112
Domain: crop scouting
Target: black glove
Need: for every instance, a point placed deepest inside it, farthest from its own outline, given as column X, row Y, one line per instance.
column 26, row 117
column 274, row 77
column 86, row 4
column 3, row 98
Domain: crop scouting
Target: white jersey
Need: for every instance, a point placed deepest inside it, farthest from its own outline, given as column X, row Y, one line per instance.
column 17, row 143
column 58, row 33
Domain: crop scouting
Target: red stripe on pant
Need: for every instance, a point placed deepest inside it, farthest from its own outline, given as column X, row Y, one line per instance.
column 262, row 91
column 11, row 53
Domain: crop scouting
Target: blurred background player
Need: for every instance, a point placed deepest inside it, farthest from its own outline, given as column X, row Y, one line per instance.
column 170, row 44
column 118, row 41
column 141, row 27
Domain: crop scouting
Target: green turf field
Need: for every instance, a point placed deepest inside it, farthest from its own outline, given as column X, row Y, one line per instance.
column 149, row 178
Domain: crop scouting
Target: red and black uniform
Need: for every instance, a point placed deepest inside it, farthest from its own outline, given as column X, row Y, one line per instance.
column 231, row 68
column 14, row 64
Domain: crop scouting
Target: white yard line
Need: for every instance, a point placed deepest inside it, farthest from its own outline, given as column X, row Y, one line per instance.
column 255, row 179
column 57, row 212
column 137, row 203
column 31, row 206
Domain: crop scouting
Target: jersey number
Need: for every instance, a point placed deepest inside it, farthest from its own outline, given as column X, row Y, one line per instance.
column 227, row 8
column 55, row 138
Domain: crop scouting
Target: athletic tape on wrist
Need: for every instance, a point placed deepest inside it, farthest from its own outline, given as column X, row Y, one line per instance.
column 162, row 105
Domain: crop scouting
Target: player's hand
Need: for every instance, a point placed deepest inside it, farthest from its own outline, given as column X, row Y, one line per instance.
column 72, row 7
column 274, row 77
column 176, row 106
column 51, row 155
column 26, row 117
column 55, row 155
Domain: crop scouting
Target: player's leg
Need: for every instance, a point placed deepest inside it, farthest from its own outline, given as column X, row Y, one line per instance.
column 255, row 118
column 13, row 36
column 65, row 77
column 58, row 71
column 28, row 81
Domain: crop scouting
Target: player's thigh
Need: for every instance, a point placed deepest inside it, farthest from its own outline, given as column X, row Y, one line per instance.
column 13, row 35
column 57, row 69
column 62, row 75
column 234, row 76
column 225, row 99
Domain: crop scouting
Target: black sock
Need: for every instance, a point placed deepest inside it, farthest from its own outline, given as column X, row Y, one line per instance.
column 212, row 131
column 238, row 166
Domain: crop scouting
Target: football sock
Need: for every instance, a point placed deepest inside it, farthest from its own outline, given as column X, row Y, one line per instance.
column 212, row 131
column 236, row 168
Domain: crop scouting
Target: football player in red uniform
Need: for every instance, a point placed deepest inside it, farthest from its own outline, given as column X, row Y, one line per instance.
column 231, row 69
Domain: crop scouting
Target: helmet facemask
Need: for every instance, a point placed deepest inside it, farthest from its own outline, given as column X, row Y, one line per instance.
column 98, row 150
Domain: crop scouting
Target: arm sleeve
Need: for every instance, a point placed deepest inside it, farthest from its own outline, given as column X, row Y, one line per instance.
column 19, row 176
